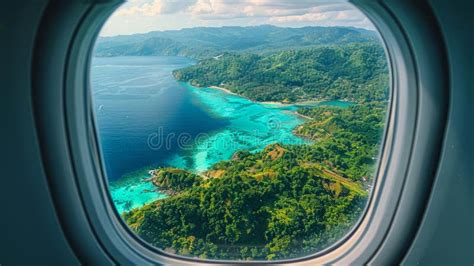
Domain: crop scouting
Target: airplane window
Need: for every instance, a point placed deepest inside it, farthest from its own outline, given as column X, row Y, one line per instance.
column 240, row 130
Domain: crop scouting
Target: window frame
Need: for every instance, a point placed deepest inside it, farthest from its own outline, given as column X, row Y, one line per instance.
column 71, row 156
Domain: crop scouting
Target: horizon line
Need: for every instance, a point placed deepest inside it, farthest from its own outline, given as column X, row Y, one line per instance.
column 229, row 26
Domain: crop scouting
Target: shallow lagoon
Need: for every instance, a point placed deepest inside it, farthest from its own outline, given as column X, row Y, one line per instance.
column 251, row 126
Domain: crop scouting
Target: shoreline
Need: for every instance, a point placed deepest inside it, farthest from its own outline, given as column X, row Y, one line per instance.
column 298, row 104
column 302, row 103
column 275, row 103
column 224, row 90
column 301, row 115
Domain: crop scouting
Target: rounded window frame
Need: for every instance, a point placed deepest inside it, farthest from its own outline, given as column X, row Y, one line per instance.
column 96, row 232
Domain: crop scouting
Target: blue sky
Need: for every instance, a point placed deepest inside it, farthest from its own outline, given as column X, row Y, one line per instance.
column 139, row 16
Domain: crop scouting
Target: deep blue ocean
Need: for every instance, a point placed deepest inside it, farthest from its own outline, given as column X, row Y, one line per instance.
column 134, row 99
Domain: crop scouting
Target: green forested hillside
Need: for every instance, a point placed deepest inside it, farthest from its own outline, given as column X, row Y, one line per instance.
column 202, row 42
column 282, row 202
column 173, row 180
column 346, row 139
column 354, row 72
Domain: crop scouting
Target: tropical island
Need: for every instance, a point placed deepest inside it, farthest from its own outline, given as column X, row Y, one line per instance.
column 283, row 201
column 352, row 72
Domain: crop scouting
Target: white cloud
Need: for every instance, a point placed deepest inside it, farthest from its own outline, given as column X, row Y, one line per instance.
column 176, row 14
column 316, row 16
column 156, row 7
column 273, row 10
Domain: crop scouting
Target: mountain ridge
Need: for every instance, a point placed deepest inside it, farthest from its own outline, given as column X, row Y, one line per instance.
column 204, row 42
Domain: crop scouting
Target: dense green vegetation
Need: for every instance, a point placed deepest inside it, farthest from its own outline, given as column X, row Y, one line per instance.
column 173, row 180
column 282, row 202
column 345, row 139
column 354, row 72
column 200, row 43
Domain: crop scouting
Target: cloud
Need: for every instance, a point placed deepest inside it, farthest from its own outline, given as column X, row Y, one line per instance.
column 318, row 16
column 176, row 14
column 221, row 9
column 156, row 7
column 274, row 10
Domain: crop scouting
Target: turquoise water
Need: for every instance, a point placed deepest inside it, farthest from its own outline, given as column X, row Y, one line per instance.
column 252, row 126
column 137, row 97
column 133, row 191
column 342, row 104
